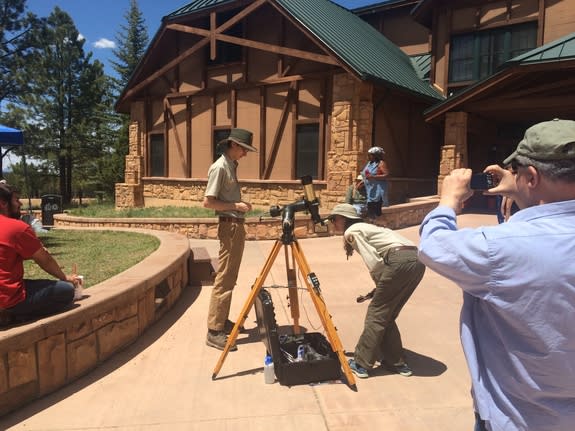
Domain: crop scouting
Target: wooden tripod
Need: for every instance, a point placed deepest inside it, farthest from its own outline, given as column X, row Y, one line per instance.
column 312, row 284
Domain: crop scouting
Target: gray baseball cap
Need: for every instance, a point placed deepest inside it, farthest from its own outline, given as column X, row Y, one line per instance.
column 549, row 140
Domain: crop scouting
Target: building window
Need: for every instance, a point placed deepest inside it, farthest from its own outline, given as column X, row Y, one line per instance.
column 474, row 56
column 307, row 150
column 218, row 136
column 157, row 155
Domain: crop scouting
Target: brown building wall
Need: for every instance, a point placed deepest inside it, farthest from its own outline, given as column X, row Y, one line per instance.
column 270, row 95
column 201, row 136
column 559, row 19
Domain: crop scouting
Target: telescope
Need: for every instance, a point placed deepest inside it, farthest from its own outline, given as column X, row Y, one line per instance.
column 309, row 203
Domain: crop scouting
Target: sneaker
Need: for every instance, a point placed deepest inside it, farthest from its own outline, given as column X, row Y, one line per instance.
column 358, row 370
column 219, row 339
column 229, row 325
column 401, row 369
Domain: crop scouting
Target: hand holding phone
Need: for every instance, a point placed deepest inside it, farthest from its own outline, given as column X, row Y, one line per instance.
column 482, row 181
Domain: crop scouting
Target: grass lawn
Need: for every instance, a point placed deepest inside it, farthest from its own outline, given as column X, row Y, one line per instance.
column 98, row 255
column 108, row 210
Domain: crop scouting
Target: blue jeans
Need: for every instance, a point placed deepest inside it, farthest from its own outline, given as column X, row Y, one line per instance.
column 479, row 423
column 43, row 297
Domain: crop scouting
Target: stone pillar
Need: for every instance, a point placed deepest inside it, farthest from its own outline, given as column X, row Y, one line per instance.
column 454, row 149
column 131, row 193
column 351, row 135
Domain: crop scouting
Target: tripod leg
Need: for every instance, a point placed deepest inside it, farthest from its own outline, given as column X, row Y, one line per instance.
column 324, row 315
column 292, row 291
column 248, row 305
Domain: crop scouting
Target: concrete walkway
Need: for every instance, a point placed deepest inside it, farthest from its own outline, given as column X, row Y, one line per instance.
column 163, row 381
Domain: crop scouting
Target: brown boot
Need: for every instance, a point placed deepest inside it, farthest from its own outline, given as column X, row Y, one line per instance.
column 218, row 340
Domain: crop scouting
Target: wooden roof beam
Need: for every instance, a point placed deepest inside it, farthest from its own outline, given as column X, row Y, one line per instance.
column 188, row 52
column 292, row 52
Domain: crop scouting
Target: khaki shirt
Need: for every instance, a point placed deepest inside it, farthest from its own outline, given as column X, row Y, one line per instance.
column 372, row 242
column 223, row 184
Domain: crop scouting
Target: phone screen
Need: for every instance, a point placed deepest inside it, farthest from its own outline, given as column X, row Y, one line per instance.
column 483, row 181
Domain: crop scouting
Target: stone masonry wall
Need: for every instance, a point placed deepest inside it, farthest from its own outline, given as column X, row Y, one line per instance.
column 39, row 357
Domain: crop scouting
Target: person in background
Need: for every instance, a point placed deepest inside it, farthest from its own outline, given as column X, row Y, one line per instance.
column 393, row 265
column 356, row 196
column 518, row 282
column 374, row 176
column 506, row 206
column 223, row 195
column 24, row 299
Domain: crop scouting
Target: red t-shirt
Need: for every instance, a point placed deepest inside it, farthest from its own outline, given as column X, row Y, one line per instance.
column 17, row 243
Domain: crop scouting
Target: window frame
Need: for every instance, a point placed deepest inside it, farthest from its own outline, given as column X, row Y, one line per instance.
column 490, row 36
column 153, row 154
column 300, row 124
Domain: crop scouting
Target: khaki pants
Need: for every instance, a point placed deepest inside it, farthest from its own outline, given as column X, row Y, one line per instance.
column 232, row 238
column 381, row 337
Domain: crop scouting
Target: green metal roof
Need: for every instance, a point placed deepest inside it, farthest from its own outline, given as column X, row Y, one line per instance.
column 196, row 6
column 560, row 49
column 353, row 41
column 422, row 65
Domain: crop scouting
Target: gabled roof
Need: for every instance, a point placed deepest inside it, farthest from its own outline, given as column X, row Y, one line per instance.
column 359, row 47
column 560, row 50
column 196, row 6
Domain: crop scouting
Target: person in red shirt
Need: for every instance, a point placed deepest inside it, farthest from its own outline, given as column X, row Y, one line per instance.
column 24, row 299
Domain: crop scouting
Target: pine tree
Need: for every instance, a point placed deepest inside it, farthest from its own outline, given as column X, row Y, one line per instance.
column 132, row 42
column 63, row 107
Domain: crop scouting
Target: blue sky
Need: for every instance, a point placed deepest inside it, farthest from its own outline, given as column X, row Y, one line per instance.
column 99, row 21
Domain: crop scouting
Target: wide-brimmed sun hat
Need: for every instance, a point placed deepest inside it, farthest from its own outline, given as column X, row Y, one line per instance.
column 345, row 210
column 241, row 137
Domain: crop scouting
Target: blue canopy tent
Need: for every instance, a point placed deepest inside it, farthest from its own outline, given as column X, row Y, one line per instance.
column 11, row 138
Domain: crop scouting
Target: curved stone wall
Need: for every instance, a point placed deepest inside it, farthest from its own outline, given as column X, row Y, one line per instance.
column 39, row 357
column 393, row 217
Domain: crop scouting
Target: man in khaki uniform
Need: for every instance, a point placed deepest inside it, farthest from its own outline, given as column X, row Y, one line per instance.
column 224, row 196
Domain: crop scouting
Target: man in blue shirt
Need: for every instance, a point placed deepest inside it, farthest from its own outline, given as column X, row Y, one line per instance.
column 518, row 282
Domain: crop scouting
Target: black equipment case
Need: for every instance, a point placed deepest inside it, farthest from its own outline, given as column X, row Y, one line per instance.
column 320, row 365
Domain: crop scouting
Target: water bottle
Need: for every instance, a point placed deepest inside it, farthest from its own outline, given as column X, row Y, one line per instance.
column 300, row 353
column 269, row 373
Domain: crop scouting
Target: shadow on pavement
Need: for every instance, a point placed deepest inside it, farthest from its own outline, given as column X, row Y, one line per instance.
column 189, row 296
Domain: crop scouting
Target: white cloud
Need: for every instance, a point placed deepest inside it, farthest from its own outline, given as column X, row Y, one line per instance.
column 104, row 43
column 81, row 37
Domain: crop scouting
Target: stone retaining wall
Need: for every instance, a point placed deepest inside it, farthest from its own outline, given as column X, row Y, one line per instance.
column 394, row 217
column 41, row 356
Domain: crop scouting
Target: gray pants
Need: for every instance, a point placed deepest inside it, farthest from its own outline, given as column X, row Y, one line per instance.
column 381, row 338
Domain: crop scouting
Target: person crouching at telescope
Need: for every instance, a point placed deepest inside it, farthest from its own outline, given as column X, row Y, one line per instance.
column 393, row 265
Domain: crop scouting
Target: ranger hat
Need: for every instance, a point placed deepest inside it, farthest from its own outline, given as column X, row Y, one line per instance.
column 345, row 210
column 549, row 140
column 241, row 137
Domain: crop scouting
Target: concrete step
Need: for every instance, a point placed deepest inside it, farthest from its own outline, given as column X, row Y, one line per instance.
column 202, row 268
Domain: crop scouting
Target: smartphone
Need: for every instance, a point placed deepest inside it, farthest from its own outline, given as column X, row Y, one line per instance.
column 483, row 181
